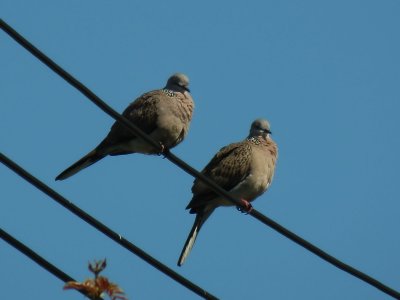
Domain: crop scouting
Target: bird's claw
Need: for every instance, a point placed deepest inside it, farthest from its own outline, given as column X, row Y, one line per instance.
column 163, row 150
column 246, row 208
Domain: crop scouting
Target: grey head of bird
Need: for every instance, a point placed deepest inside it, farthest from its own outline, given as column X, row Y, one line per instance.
column 260, row 128
column 178, row 82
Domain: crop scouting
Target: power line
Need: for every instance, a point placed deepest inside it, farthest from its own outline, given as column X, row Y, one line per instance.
column 75, row 83
column 190, row 170
column 104, row 229
column 40, row 260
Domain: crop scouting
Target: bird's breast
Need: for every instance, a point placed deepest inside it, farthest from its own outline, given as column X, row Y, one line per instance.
column 261, row 172
column 175, row 114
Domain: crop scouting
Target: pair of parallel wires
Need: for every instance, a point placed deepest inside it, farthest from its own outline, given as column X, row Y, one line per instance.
column 175, row 160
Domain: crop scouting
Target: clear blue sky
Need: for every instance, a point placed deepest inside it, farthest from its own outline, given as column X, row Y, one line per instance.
column 325, row 73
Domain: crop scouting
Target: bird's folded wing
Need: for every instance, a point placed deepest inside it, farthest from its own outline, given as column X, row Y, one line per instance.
column 230, row 166
column 142, row 112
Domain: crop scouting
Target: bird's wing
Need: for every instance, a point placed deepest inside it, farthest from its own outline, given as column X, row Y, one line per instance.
column 142, row 112
column 229, row 167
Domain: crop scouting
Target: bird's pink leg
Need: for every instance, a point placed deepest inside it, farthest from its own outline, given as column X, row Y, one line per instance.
column 163, row 149
column 246, row 208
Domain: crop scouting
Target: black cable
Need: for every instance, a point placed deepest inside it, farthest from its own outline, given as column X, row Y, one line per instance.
column 104, row 229
column 75, row 83
column 188, row 169
column 40, row 260
column 325, row 256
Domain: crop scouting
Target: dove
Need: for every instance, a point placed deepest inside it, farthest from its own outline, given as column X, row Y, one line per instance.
column 244, row 169
column 163, row 114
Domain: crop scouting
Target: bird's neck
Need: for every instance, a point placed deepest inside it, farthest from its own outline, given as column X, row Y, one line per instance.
column 254, row 139
column 168, row 92
column 258, row 140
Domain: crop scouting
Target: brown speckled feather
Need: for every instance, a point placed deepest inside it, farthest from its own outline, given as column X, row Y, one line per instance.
column 142, row 112
column 227, row 168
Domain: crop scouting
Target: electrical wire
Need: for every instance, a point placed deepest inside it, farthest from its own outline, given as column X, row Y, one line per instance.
column 190, row 170
column 40, row 260
column 103, row 228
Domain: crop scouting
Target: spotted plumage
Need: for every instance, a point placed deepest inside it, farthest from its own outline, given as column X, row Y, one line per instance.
column 169, row 93
column 163, row 114
column 254, row 140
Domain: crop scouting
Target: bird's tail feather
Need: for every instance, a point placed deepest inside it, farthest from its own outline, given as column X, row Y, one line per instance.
column 89, row 159
column 201, row 217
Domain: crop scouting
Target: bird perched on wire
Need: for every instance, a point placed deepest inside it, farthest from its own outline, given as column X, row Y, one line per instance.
column 244, row 169
column 164, row 114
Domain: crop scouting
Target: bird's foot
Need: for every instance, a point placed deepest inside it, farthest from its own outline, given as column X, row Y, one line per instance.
column 246, row 208
column 163, row 150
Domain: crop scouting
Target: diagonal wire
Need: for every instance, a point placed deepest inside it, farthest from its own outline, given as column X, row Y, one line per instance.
column 103, row 228
column 190, row 170
column 40, row 260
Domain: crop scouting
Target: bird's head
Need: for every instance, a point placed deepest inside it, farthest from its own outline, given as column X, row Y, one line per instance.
column 260, row 128
column 178, row 82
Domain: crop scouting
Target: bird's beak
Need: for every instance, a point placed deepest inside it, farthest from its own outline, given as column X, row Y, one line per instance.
column 187, row 89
